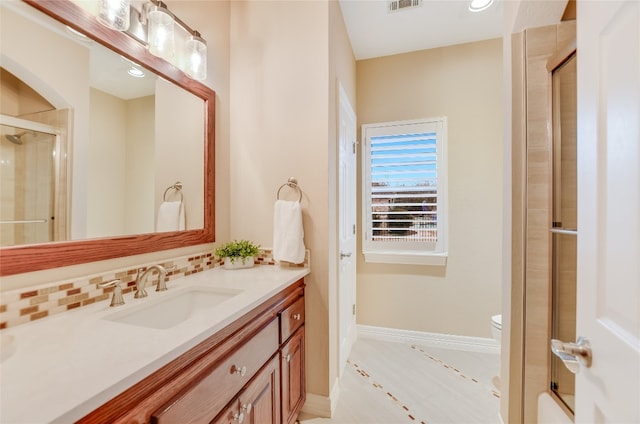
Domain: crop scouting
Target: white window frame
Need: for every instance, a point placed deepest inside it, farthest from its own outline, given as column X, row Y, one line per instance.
column 404, row 252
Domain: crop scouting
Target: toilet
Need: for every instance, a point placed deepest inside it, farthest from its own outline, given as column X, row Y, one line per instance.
column 496, row 327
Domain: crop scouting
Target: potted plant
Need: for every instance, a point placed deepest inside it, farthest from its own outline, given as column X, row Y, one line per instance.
column 238, row 254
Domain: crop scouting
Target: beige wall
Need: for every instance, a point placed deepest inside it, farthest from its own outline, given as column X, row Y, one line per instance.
column 279, row 115
column 178, row 134
column 463, row 83
column 106, row 181
column 286, row 59
column 140, row 172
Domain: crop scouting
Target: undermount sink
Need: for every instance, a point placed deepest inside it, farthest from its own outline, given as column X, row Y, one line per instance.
column 172, row 309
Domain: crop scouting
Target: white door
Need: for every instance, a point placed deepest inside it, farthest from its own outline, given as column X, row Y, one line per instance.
column 347, row 227
column 608, row 45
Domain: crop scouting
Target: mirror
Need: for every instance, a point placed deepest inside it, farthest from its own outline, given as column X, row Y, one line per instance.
column 86, row 242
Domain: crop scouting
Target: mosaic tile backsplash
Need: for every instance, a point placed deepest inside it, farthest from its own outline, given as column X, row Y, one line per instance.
column 33, row 303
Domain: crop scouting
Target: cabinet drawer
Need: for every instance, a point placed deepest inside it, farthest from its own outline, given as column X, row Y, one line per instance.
column 202, row 401
column 291, row 319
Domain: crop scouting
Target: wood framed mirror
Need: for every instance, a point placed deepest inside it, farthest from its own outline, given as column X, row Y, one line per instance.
column 34, row 257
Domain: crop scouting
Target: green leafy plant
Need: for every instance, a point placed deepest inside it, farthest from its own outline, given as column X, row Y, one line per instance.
column 237, row 249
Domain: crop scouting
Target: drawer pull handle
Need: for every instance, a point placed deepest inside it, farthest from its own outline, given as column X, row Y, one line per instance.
column 288, row 358
column 297, row 317
column 238, row 417
column 247, row 408
column 237, row 370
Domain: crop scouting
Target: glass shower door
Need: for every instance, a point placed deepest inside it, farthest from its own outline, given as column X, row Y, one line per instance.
column 564, row 227
column 27, row 186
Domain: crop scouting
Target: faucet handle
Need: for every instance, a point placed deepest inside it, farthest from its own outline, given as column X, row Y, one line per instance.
column 140, row 291
column 116, row 299
column 162, row 279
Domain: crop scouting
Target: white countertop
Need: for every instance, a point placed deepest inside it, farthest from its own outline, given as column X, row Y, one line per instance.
column 67, row 365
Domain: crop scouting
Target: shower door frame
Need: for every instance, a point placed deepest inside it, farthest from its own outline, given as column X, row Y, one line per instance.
column 60, row 195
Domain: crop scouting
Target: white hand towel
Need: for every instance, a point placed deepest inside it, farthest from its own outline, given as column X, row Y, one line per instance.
column 170, row 217
column 288, row 233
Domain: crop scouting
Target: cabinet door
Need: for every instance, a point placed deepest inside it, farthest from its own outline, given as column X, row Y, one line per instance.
column 230, row 415
column 293, row 382
column 260, row 401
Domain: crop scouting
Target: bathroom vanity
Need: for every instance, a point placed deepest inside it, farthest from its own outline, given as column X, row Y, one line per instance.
column 236, row 373
column 241, row 361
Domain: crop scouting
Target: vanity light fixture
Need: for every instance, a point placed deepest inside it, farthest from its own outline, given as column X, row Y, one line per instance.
column 114, row 14
column 479, row 5
column 154, row 26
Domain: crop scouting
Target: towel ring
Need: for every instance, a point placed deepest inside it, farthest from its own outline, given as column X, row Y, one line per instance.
column 293, row 183
column 177, row 187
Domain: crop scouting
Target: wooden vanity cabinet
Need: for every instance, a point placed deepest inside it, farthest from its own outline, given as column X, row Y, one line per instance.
column 251, row 371
column 259, row 402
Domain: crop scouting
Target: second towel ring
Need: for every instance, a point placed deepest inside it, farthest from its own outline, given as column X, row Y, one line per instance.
column 177, row 187
column 293, row 183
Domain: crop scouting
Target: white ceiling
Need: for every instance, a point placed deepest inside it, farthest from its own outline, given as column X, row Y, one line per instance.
column 374, row 32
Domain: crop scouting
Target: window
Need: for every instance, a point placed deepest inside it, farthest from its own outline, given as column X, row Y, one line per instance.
column 405, row 192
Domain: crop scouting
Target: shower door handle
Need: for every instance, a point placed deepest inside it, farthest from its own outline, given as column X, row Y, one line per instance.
column 573, row 354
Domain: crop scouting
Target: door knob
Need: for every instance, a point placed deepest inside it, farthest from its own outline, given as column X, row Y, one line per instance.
column 344, row 255
column 573, row 354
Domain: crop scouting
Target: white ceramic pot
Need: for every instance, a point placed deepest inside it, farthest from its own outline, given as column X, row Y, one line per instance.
column 238, row 263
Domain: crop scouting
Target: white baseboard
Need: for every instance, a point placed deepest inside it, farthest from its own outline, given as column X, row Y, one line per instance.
column 322, row 406
column 445, row 341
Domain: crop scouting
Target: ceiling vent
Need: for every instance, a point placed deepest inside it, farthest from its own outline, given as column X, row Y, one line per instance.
column 398, row 5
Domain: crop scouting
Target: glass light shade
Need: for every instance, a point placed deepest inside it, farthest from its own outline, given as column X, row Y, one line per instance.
column 196, row 57
column 161, row 33
column 114, row 14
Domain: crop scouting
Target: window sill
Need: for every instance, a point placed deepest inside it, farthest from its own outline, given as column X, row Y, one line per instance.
column 407, row 258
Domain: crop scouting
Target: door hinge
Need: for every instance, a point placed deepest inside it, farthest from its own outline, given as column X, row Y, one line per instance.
column 353, row 145
column 553, row 385
column 354, row 309
column 354, row 229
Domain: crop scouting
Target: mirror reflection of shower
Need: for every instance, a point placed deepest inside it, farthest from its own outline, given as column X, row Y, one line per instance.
column 28, row 182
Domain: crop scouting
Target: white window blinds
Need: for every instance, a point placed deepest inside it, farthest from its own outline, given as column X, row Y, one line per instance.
column 404, row 187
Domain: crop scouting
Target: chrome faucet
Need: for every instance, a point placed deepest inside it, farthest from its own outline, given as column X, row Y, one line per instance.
column 140, row 280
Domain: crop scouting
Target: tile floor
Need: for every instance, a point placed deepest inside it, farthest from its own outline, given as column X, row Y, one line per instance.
column 395, row 383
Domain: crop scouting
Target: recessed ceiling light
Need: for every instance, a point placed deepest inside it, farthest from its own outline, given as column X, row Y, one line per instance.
column 135, row 72
column 479, row 5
